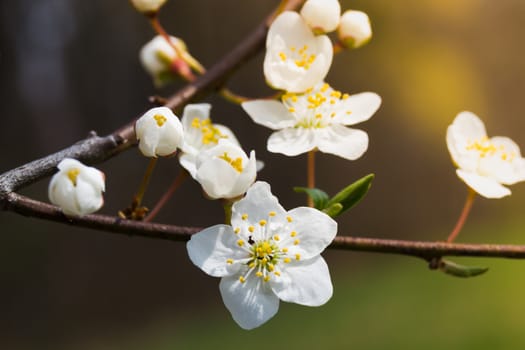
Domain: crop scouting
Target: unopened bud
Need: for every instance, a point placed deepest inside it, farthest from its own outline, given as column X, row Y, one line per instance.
column 354, row 29
column 147, row 6
column 321, row 15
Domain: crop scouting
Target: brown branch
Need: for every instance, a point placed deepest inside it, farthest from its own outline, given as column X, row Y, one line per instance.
column 424, row 250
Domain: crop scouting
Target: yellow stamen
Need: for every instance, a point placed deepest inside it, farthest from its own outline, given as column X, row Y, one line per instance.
column 276, row 238
column 296, row 242
column 244, row 216
column 297, row 256
column 272, row 213
column 72, row 174
column 240, row 242
column 160, row 119
column 251, row 229
column 262, row 222
column 242, row 279
column 229, row 261
column 293, row 233
column 287, row 260
column 289, row 219
column 237, row 230
column 258, row 274
column 266, row 278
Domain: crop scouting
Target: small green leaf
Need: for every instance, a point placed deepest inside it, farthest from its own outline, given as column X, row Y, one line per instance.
column 352, row 194
column 457, row 270
column 319, row 197
column 333, row 210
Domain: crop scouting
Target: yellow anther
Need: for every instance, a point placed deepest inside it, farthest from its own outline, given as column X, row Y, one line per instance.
column 242, row 279
column 293, row 233
column 332, row 114
column 244, row 216
column 272, row 213
column 276, row 238
column 236, row 164
column 258, row 274
column 282, row 55
column 345, row 96
column 297, row 256
column 251, row 229
column 287, row 260
column 277, row 273
column 336, row 94
column 262, row 222
column 160, row 119
column 296, row 242
column 237, row 230
column 251, row 265
column 196, row 123
column 332, row 101
column 284, row 250
column 291, row 110
column 240, row 242
column 289, row 219
column 229, row 261
column 292, row 48
column 72, row 174
column 324, row 87
column 348, row 112
column 264, row 261
column 319, row 116
column 266, row 278
column 270, row 267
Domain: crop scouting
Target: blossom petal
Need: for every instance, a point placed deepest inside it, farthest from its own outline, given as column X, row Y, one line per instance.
column 507, row 166
column 188, row 160
column 484, row 186
column 88, row 198
column 342, row 141
column 259, row 201
column 314, row 231
column 251, row 303
column 361, row 106
column 466, row 128
column 292, row 141
column 210, row 248
column 305, row 282
column 269, row 113
column 246, row 177
column 217, row 177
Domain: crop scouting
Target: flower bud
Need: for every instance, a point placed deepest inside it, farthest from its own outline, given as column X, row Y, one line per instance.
column 76, row 188
column 157, row 57
column 159, row 132
column 354, row 29
column 321, row 15
column 225, row 171
column 147, row 6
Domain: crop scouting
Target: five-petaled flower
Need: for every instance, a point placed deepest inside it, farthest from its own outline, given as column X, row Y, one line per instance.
column 77, row 189
column 225, row 171
column 316, row 120
column 295, row 58
column 159, row 132
column 200, row 134
column 484, row 164
column 266, row 254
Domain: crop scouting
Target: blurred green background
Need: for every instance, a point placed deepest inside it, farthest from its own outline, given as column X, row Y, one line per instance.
column 68, row 67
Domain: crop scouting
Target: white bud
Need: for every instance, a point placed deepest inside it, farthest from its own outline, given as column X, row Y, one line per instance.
column 321, row 15
column 147, row 6
column 77, row 189
column 225, row 171
column 158, row 55
column 159, row 132
column 354, row 29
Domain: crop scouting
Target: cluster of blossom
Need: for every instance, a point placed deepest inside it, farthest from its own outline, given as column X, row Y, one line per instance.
column 269, row 254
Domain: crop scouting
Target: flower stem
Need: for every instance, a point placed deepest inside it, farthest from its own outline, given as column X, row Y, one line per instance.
column 137, row 200
column 463, row 217
column 311, row 174
column 169, row 193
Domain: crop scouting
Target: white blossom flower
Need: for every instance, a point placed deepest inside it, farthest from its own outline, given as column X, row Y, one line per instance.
column 200, row 134
column 159, row 132
column 225, row 171
column 266, row 254
column 77, row 189
column 316, row 120
column 354, row 29
column 295, row 58
column 485, row 164
column 321, row 15
column 157, row 57
column 147, row 6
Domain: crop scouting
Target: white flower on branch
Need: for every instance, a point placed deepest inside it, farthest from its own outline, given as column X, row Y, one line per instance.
column 200, row 134
column 77, row 189
column 485, row 164
column 354, row 29
column 159, row 132
column 321, row 15
column 157, row 57
column 225, row 171
column 147, row 6
column 295, row 58
column 266, row 255
column 317, row 119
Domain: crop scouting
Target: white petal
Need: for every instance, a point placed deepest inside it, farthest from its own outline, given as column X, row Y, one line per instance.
column 292, row 141
column 315, row 231
column 210, row 248
column 258, row 203
column 251, row 303
column 269, row 113
column 62, row 193
column 217, row 178
column 227, row 134
column 342, row 141
column 195, row 110
column 507, row 166
column 187, row 161
column 88, row 198
column 484, row 186
column 321, row 15
column 465, row 129
column 305, row 282
column 361, row 107
column 245, row 178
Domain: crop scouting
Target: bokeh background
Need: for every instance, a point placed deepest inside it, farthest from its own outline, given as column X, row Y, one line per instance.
column 68, row 67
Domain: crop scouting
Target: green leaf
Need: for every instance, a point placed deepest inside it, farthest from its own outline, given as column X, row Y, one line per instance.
column 457, row 270
column 333, row 210
column 319, row 197
column 352, row 194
